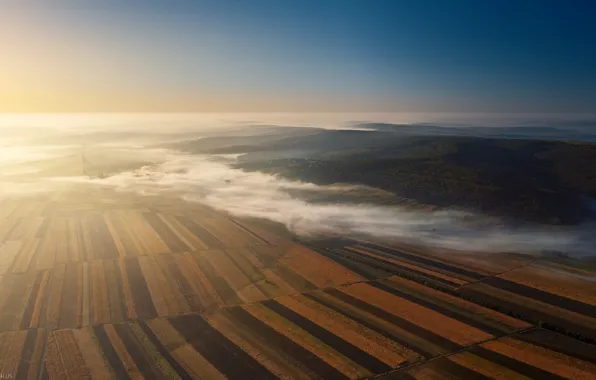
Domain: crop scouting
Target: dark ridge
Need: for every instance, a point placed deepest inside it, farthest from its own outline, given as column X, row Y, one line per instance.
column 203, row 234
column 140, row 292
column 141, row 359
column 285, row 344
column 540, row 295
column 164, row 352
column 228, row 358
column 27, row 355
column 109, row 353
column 368, row 325
column 350, row 351
column 28, row 313
column 459, row 316
column 515, row 365
column 394, row 319
column 167, row 235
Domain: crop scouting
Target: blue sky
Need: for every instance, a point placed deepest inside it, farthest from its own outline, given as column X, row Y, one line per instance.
column 259, row 55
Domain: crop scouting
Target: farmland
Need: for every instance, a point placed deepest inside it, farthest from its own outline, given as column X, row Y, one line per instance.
column 106, row 285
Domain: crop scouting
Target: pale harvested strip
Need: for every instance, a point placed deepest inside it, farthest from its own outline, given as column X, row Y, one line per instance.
column 74, row 240
column 58, row 235
column 131, row 310
column 19, row 289
column 48, row 249
column 38, row 315
column 122, row 353
column 7, row 208
column 316, row 268
column 27, row 228
column 11, row 348
column 27, row 252
column 247, row 264
column 115, row 236
column 543, row 358
column 307, row 341
column 86, row 294
column 488, row 316
column 8, row 252
column 187, row 283
column 100, row 304
column 228, row 233
column 115, row 292
column 203, row 288
column 177, row 303
column 446, row 327
column 151, row 240
column 72, row 297
column 564, row 284
column 63, row 358
column 241, row 284
column 91, row 251
column 132, row 245
column 185, row 235
column 273, row 285
column 253, row 344
column 193, row 362
column 406, row 334
column 359, row 336
column 7, row 226
column 30, row 301
column 264, row 279
column 157, row 284
column 98, row 366
column 54, row 302
column 267, row 236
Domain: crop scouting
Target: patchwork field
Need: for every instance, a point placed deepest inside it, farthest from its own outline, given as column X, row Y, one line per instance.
column 103, row 285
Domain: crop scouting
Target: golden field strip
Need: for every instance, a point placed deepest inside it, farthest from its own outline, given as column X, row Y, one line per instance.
column 104, row 285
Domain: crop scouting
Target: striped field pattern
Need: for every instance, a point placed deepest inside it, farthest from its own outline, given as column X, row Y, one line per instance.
column 129, row 287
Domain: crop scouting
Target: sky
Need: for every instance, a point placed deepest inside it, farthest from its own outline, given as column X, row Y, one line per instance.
column 290, row 56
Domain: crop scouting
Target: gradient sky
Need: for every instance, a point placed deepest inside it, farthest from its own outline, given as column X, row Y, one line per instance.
column 277, row 55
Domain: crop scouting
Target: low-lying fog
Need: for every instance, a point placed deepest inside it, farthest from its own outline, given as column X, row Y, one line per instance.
column 30, row 162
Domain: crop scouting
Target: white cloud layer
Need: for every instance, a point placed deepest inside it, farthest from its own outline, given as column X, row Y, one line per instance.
column 252, row 194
